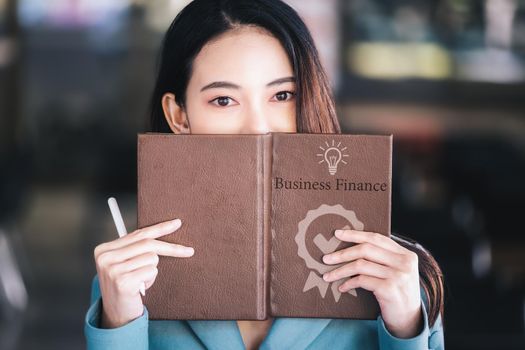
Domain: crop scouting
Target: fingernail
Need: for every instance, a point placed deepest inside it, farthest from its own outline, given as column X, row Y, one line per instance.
column 177, row 222
column 325, row 277
column 327, row 258
column 188, row 250
column 338, row 232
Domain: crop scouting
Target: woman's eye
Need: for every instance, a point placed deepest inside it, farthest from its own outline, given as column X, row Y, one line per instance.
column 222, row 101
column 283, row 95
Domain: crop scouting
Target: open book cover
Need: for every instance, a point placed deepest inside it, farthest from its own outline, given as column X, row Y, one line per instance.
column 260, row 210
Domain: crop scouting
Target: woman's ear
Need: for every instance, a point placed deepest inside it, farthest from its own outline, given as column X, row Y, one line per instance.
column 175, row 115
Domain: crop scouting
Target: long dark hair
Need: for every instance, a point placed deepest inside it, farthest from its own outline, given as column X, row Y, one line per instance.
column 202, row 20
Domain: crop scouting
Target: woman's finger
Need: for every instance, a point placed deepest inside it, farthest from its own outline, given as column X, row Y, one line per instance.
column 159, row 230
column 149, row 283
column 144, row 246
column 369, row 237
column 372, row 284
column 150, row 232
column 149, row 258
column 358, row 267
column 130, row 282
column 366, row 251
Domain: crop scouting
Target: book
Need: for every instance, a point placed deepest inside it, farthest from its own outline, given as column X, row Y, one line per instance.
column 260, row 210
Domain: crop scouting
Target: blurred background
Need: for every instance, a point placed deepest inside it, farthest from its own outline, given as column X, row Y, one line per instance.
column 446, row 77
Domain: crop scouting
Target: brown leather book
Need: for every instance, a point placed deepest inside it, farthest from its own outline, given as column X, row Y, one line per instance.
column 260, row 212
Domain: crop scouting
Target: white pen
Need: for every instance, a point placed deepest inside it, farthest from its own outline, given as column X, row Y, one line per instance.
column 121, row 229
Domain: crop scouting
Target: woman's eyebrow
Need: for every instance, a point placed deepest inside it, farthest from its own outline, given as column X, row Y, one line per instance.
column 281, row 81
column 220, row 84
column 227, row 84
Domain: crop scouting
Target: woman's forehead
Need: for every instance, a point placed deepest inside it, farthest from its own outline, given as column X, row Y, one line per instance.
column 245, row 54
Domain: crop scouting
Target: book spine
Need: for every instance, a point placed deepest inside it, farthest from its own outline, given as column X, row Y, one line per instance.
column 266, row 197
column 141, row 138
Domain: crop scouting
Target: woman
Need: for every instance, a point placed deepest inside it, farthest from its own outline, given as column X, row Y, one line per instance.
column 250, row 66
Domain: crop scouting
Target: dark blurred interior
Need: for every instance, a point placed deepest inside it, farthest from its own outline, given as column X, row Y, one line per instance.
column 445, row 77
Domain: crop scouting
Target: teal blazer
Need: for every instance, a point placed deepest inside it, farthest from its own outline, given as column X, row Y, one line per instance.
column 285, row 333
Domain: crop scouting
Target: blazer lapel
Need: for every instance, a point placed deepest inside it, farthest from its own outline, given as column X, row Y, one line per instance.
column 293, row 333
column 218, row 334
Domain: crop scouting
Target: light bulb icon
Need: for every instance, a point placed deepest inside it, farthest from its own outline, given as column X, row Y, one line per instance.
column 332, row 155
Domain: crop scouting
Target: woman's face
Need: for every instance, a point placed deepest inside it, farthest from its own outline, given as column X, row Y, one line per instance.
column 242, row 83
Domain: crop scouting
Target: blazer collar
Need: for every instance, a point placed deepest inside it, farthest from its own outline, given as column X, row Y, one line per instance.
column 285, row 333
column 218, row 334
column 293, row 333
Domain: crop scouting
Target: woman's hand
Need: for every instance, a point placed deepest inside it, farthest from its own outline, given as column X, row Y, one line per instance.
column 377, row 263
column 122, row 266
